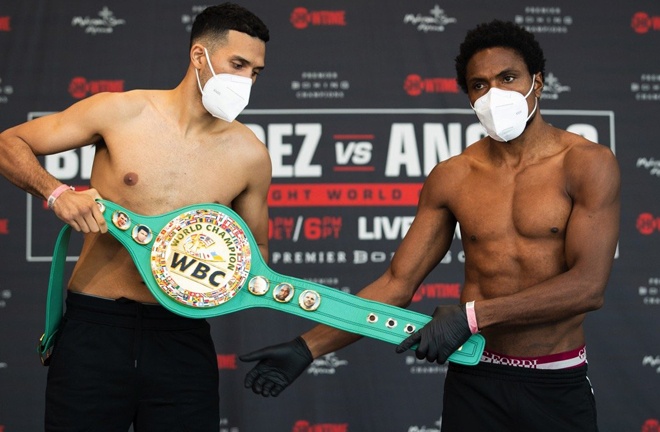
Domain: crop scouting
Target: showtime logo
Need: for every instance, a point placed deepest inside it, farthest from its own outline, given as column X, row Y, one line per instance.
column 415, row 85
column 437, row 291
column 302, row 18
column 226, row 361
column 80, row 88
column 643, row 22
column 4, row 23
column 651, row 425
column 305, row 426
column 4, row 226
column 647, row 224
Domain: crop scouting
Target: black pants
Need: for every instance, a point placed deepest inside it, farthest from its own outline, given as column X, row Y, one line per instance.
column 118, row 363
column 496, row 398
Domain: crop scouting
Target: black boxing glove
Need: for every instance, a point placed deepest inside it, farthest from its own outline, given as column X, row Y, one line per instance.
column 279, row 365
column 441, row 336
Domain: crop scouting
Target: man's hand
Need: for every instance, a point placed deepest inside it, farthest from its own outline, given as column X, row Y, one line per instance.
column 80, row 210
column 441, row 336
column 278, row 366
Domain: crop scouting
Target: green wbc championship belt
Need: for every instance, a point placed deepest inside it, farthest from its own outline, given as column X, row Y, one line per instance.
column 202, row 261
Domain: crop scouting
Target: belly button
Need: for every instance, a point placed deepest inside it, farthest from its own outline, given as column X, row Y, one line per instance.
column 131, row 179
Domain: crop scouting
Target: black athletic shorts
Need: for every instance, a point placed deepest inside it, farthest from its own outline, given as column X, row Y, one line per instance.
column 119, row 362
column 495, row 398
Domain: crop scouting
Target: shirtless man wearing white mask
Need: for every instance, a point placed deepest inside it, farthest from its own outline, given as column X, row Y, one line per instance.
column 121, row 359
column 538, row 209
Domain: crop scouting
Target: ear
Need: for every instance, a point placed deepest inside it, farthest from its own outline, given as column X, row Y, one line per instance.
column 538, row 84
column 197, row 56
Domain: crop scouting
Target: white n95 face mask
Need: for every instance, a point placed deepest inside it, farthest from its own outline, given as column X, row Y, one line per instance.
column 224, row 95
column 503, row 113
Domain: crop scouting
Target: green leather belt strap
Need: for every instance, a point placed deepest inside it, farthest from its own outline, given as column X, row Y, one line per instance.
column 55, row 296
column 202, row 261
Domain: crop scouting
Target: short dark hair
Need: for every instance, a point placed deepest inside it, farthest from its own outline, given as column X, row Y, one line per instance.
column 499, row 34
column 217, row 20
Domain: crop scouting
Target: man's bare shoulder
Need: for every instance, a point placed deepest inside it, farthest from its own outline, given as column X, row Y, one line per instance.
column 462, row 163
column 590, row 168
column 250, row 159
column 449, row 177
column 245, row 133
column 119, row 105
column 246, row 141
column 582, row 152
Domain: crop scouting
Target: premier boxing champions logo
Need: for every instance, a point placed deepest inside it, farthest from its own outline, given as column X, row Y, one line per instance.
column 201, row 258
column 320, row 85
column 650, row 293
column 188, row 19
column 5, row 91
column 544, row 19
column 647, row 88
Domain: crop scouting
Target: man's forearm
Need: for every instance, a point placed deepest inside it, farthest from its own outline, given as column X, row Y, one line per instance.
column 20, row 166
column 323, row 339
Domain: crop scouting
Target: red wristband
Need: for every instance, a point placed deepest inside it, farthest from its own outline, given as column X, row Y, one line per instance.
column 471, row 317
column 56, row 193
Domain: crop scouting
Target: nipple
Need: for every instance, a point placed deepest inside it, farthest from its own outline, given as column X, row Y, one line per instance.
column 554, row 230
column 131, row 179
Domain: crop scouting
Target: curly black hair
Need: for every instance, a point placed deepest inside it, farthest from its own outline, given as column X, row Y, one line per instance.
column 218, row 20
column 499, row 34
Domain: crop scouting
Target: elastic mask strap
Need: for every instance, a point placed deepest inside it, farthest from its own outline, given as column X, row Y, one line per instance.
column 536, row 104
column 536, row 100
column 199, row 84
column 213, row 72
column 532, row 88
column 208, row 59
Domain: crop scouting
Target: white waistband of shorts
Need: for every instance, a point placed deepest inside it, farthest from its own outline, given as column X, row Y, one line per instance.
column 565, row 360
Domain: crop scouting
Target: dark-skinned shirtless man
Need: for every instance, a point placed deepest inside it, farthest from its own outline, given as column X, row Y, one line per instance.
column 538, row 209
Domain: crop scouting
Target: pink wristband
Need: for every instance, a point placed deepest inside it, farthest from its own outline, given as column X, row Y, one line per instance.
column 56, row 193
column 471, row 317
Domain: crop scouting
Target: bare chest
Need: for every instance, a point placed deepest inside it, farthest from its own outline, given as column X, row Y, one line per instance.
column 532, row 204
column 152, row 171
